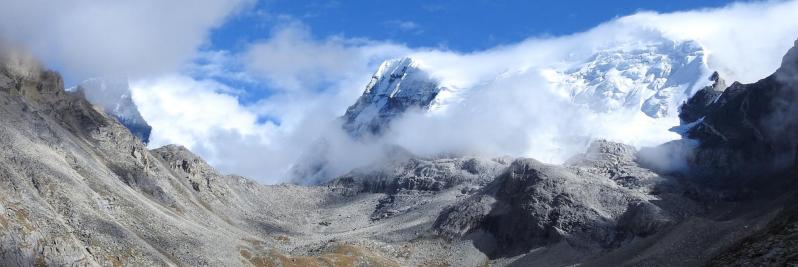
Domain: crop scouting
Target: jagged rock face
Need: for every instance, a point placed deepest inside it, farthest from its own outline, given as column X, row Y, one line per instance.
column 534, row 204
column 653, row 78
column 619, row 163
column 696, row 107
column 408, row 182
column 398, row 85
column 114, row 96
column 751, row 129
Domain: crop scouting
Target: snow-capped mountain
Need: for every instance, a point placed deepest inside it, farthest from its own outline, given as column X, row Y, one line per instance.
column 113, row 95
column 397, row 86
column 652, row 77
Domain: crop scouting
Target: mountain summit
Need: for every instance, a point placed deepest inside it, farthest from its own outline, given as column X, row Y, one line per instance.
column 398, row 85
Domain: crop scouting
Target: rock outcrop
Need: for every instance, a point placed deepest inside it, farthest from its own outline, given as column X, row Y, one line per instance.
column 113, row 95
column 696, row 107
column 593, row 204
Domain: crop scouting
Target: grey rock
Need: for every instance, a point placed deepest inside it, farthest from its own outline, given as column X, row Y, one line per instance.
column 696, row 107
column 534, row 204
column 114, row 96
column 420, row 174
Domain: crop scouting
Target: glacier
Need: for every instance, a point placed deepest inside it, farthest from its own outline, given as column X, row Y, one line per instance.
column 654, row 77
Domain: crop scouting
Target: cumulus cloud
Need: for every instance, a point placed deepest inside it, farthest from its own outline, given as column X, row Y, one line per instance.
column 90, row 38
column 311, row 82
column 205, row 117
column 403, row 25
column 745, row 40
column 293, row 60
column 508, row 105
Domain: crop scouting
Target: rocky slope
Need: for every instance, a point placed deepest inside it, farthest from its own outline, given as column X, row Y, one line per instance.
column 79, row 189
column 114, row 96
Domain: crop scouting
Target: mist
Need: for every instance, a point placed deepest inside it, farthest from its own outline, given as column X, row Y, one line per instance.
column 506, row 105
column 505, row 101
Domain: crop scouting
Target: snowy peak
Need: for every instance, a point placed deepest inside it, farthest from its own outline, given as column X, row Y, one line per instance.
column 114, row 97
column 646, row 79
column 654, row 77
column 396, row 86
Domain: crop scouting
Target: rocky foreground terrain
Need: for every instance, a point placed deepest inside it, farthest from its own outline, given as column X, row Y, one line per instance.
column 78, row 188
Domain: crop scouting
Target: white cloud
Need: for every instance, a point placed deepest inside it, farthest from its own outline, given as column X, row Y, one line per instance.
column 293, row 60
column 203, row 116
column 508, row 108
column 402, row 25
column 221, row 65
column 187, row 110
column 509, row 111
column 746, row 40
column 90, row 38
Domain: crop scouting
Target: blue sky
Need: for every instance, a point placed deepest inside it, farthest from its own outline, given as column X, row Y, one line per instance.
column 457, row 25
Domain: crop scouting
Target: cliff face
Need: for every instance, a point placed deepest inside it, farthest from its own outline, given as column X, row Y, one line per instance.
column 749, row 129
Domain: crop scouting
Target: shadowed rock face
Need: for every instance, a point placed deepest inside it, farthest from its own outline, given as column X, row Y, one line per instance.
column 591, row 205
column 776, row 245
column 696, row 107
column 751, row 129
